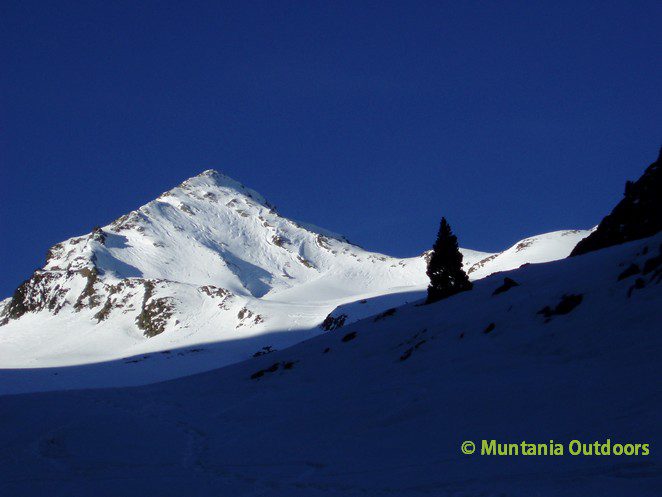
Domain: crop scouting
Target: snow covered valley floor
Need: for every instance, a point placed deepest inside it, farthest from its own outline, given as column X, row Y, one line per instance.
column 380, row 407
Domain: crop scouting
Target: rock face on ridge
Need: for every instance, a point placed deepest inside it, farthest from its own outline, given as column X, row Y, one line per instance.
column 638, row 215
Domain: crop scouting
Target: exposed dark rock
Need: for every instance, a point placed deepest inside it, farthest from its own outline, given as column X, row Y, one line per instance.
column 508, row 283
column 264, row 351
column 118, row 296
column 414, row 338
column 220, row 293
column 99, row 235
column 523, row 245
column 305, row 262
column 490, row 328
column 567, row 303
column 248, row 317
column 653, row 263
column 546, row 311
column 273, row 368
column 278, row 240
column 257, row 374
column 108, row 306
column 639, row 283
column 214, row 291
column 407, row 353
column 631, row 270
column 88, row 297
column 323, row 242
column 385, row 314
column 104, row 312
column 131, row 221
column 331, row 323
column 638, row 215
column 210, row 196
column 481, row 263
column 39, row 292
column 155, row 312
column 350, row 336
column 55, row 252
column 186, row 208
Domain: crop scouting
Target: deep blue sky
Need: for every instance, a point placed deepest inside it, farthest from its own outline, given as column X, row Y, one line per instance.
column 372, row 119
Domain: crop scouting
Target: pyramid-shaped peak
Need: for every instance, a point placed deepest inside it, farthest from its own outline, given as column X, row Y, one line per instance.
column 211, row 178
column 214, row 174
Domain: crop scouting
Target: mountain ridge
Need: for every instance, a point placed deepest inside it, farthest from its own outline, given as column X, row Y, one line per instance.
column 211, row 260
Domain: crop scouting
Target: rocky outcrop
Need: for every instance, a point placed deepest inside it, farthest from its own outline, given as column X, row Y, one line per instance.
column 248, row 318
column 89, row 297
column 638, row 215
column 120, row 297
column 221, row 294
column 482, row 263
column 42, row 291
column 71, row 278
column 155, row 312
column 332, row 322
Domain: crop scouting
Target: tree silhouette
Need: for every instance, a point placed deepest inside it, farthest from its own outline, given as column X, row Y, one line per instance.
column 445, row 266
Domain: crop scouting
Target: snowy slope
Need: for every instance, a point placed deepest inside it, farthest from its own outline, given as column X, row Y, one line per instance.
column 210, row 262
column 536, row 249
column 380, row 407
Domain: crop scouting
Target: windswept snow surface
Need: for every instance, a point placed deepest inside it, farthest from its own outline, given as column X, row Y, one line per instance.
column 380, row 407
column 209, row 265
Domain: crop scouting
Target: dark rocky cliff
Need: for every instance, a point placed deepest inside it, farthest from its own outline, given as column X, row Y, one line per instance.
column 637, row 215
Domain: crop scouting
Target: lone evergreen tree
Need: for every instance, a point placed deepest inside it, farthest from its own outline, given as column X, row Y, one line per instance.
column 445, row 266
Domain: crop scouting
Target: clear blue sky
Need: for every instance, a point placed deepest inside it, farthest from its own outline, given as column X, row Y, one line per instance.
column 372, row 119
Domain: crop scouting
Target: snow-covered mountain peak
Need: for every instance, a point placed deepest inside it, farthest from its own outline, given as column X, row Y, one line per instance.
column 212, row 181
column 211, row 229
column 212, row 261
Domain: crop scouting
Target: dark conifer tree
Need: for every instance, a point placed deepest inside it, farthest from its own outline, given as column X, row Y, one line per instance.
column 445, row 266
